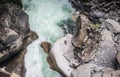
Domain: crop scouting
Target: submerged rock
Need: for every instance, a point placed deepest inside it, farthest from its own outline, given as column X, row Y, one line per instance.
column 46, row 46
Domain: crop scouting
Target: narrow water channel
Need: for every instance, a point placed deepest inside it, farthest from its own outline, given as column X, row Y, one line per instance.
column 44, row 16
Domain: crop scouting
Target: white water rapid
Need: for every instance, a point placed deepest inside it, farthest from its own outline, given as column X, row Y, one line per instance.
column 44, row 15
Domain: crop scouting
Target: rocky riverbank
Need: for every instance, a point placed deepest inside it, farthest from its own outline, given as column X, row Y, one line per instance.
column 93, row 51
column 15, row 36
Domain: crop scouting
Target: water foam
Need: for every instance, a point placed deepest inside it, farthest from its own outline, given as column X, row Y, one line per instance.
column 43, row 18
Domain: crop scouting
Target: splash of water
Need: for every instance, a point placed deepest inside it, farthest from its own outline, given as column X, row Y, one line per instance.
column 44, row 15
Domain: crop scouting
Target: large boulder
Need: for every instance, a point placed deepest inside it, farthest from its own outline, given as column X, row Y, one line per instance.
column 15, row 36
column 56, row 55
column 14, row 29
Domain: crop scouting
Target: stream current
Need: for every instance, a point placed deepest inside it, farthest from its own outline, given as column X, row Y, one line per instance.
column 44, row 17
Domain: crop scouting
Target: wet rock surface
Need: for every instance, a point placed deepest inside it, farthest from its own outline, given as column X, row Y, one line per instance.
column 46, row 46
column 15, row 36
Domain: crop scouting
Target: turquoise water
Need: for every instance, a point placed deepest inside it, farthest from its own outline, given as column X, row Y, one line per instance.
column 44, row 15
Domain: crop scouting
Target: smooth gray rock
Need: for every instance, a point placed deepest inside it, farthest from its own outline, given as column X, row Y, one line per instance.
column 57, row 57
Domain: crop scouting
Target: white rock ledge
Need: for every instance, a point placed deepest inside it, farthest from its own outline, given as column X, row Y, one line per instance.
column 57, row 55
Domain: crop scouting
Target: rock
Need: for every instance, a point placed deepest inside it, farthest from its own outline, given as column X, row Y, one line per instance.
column 75, row 62
column 81, row 31
column 14, row 18
column 8, row 35
column 31, row 36
column 107, row 35
column 106, row 52
column 57, row 55
column 2, row 47
column 97, row 74
column 111, row 25
column 14, row 75
column 50, row 61
column 4, row 73
column 118, row 60
column 86, row 39
column 16, row 2
column 15, row 36
column 46, row 46
column 16, row 63
column 107, row 73
column 86, row 70
column 116, row 73
column 75, row 15
column 97, row 14
column 111, row 73
column 13, row 48
column 118, row 57
column 14, row 29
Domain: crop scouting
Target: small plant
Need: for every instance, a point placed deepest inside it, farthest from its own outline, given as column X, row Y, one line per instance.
column 95, row 25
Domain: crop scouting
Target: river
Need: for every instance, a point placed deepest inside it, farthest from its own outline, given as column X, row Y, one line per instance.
column 44, row 17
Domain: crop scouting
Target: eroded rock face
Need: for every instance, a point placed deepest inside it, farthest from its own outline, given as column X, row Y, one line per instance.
column 81, row 31
column 15, row 35
column 14, row 28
